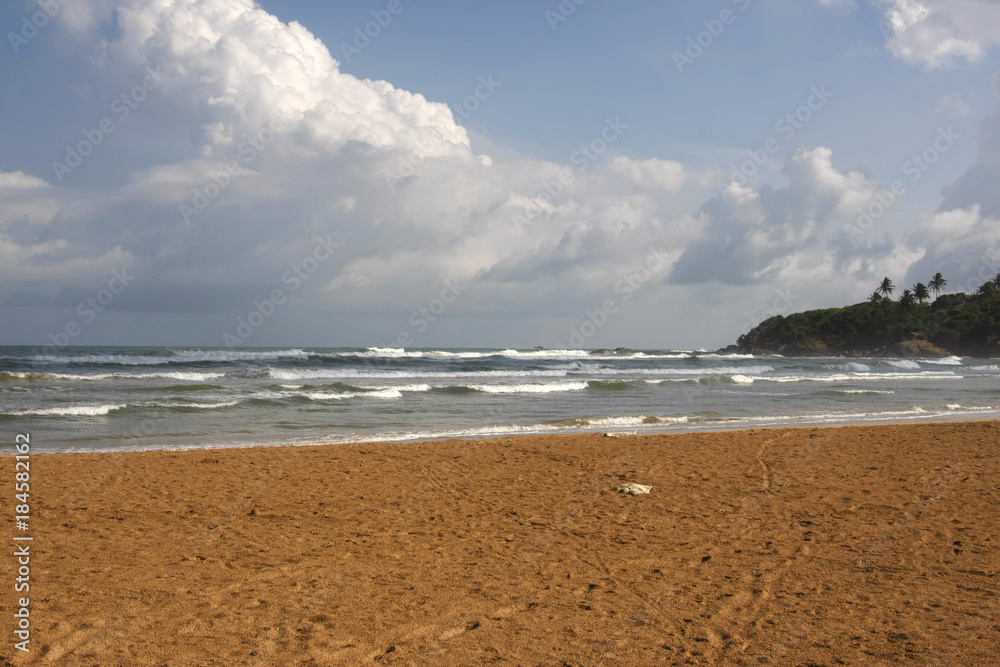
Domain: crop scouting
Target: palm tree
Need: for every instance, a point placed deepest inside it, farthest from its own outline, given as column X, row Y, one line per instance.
column 907, row 299
column 986, row 288
column 921, row 293
column 937, row 284
column 996, row 282
column 875, row 299
column 886, row 288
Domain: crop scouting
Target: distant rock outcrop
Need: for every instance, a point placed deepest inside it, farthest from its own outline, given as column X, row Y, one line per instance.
column 919, row 348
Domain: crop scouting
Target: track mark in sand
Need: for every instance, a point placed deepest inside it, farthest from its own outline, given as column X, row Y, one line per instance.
column 739, row 617
column 73, row 642
column 377, row 655
column 512, row 610
column 451, row 633
column 765, row 481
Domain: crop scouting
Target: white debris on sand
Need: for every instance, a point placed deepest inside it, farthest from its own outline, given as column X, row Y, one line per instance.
column 633, row 489
column 618, row 434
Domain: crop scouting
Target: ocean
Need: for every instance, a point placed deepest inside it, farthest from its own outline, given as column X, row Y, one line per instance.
column 127, row 398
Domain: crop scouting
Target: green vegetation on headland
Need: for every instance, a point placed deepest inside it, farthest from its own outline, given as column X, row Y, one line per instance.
column 911, row 326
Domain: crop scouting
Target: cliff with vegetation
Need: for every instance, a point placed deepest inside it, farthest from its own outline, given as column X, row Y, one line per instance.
column 950, row 324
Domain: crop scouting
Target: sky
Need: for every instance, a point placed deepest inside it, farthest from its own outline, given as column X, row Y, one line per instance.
column 408, row 173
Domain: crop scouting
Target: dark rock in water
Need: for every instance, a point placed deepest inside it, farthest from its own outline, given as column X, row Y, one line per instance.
column 919, row 348
column 617, row 350
column 538, row 347
column 603, row 350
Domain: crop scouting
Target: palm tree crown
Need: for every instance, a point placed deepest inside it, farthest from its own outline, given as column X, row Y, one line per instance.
column 920, row 292
column 937, row 284
column 886, row 288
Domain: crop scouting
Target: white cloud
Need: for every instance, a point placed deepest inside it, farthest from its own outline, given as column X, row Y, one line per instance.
column 392, row 177
column 230, row 67
column 19, row 180
column 961, row 243
column 779, row 234
column 940, row 33
column 954, row 106
column 658, row 174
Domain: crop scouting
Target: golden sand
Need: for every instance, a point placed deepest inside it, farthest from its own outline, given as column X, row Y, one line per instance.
column 851, row 545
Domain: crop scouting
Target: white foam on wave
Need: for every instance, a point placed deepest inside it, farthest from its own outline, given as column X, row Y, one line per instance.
column 383, row 352
column 484, row 431
column 404, row 387
column 720, row 370
column 682, row 373
column 621, row 422
column 863, row 377
column 510, row 353
column 536, row 354
column 175, row 356
column 70, row 411
column 195, row 406
column 864, row 391
column 529, row 388
column 855, row 367
column 741, row 379
column 338, row 396
column 333, row 373
column 712, row 355
column 946, row 361
column 69, row 377
column 183, row 376
column 905, row 364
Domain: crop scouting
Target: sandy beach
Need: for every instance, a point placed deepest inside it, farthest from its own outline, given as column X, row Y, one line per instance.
column 809, row 546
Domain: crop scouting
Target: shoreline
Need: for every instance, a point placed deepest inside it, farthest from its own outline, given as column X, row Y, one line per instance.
column 655, row 430
column 786, row 545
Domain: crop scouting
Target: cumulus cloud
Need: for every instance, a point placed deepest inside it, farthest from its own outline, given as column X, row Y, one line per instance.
column 392, row 178
column 388, row 173
column 778, row 234
column 978, row 185
column 961, row 243
column 940, row 33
